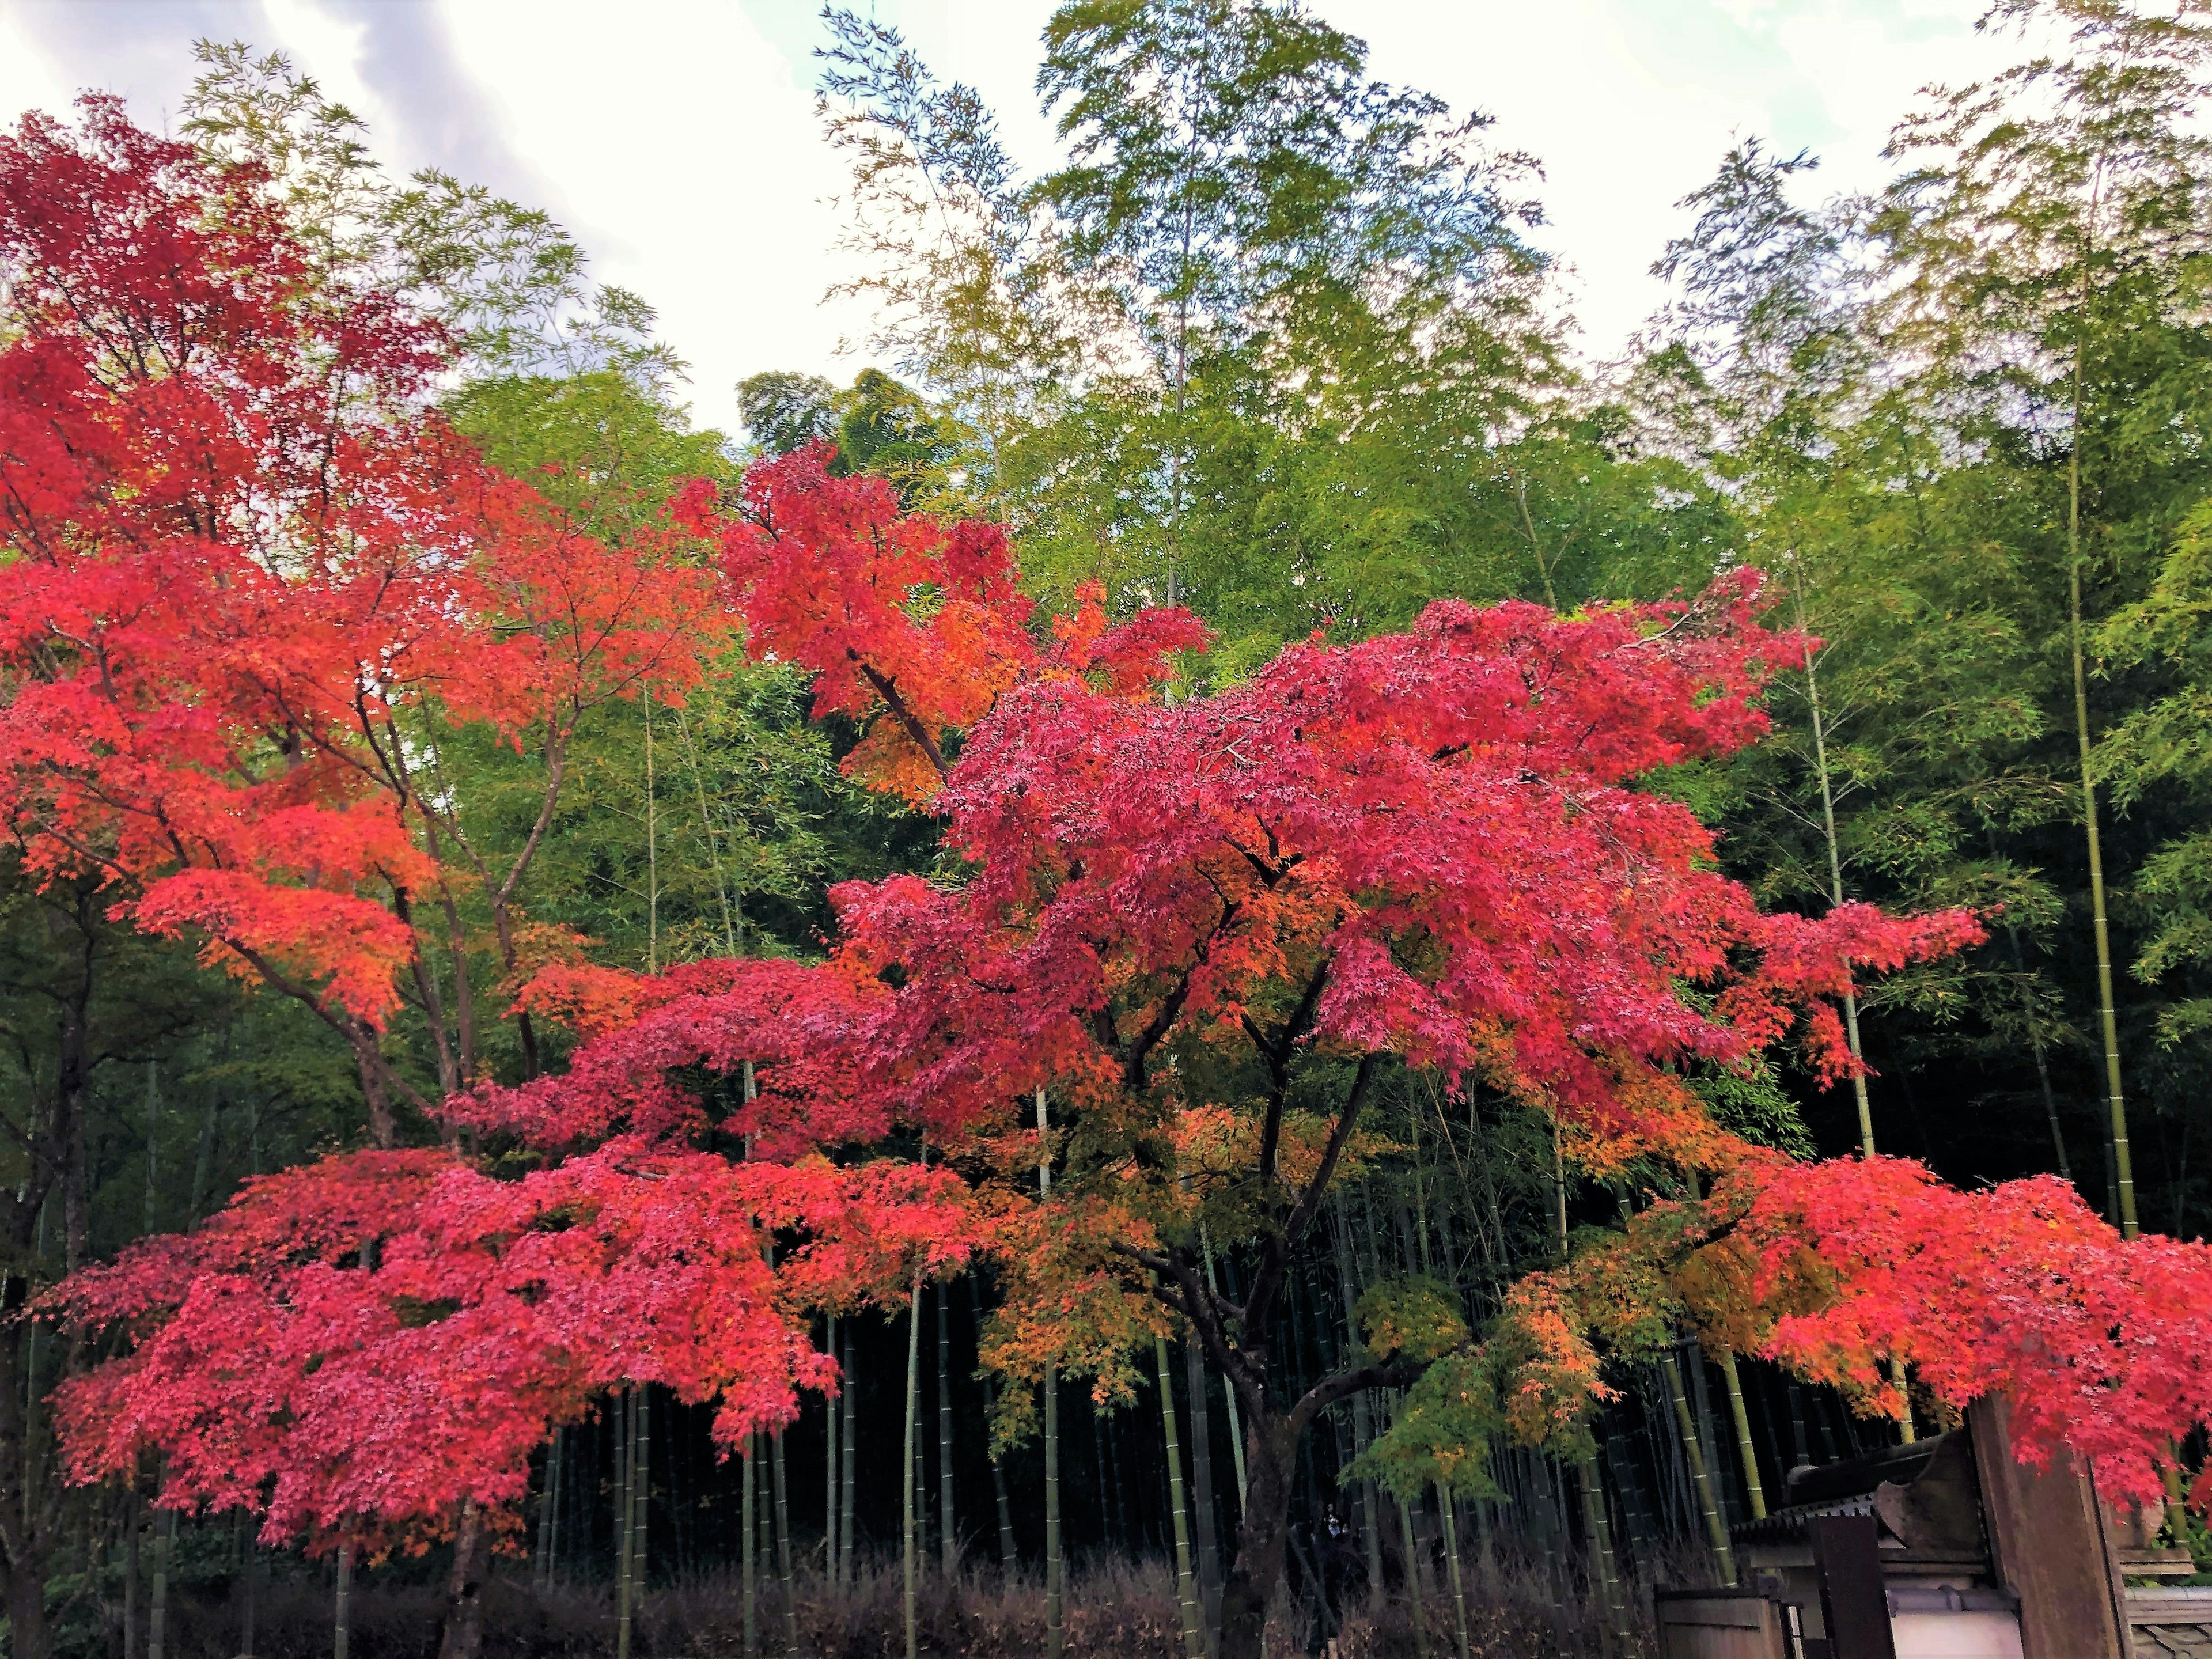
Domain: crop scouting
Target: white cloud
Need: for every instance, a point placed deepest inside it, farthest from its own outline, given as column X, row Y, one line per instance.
column 677, row 139
column 686, row 150
column 28, row 79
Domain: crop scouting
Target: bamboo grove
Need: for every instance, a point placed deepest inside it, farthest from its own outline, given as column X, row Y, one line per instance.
column 1235, row 955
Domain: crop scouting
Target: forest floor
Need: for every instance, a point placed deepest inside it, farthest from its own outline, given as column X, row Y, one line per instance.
column 1116, row 1610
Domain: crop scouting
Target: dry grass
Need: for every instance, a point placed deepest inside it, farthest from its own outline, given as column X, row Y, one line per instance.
column 1116, row 1610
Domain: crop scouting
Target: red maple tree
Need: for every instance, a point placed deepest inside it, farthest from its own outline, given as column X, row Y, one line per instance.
column 1206, row 930
column 247, row 560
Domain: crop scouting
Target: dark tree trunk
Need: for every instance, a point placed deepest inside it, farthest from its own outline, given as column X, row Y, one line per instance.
column 1262, row 1536
column 464, row 1633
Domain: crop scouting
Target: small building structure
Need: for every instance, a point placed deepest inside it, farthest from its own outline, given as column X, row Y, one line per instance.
column 1945, row 1548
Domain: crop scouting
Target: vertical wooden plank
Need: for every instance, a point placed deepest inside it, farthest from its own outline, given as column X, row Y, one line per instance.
column 2047, row 1545
column 1853, row 1603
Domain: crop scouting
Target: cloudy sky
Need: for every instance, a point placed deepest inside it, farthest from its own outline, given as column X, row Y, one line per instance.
column 676, row 138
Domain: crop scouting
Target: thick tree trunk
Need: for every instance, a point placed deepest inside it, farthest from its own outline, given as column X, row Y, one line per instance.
column 1263, row 1535
column 375, row 1090
column 464, row 1633
column 27, row 1633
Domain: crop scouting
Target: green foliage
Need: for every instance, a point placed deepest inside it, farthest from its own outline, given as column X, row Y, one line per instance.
column 1416, row 1319
column 1442, row 1434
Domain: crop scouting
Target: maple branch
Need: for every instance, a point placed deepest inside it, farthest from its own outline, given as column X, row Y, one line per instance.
column 1275, row 1258
column 888, row 690
column 557, row 765
column 1277, row 1053
column 1142, row 1044
column 1243, row 1365
column 1385, row 1374
column 1302, row 1216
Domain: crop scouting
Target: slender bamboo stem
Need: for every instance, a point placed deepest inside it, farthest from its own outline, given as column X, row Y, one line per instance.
column 1413, row 1581
column 909, row 1563
column 948, row 1533
column 342, row 1629
column 640, row 1500
column 1193, row 1638
column 1201, row 1493
column 1008, row 1556
column 1228, row 1394
column 749, row 1546
column 1055, row 1634
column 783, row 1545
column 1737, row 1410
column 651, row 855
column 2107, row 1019
column 133, row 1524
column 1451, row 1561
column 1599, row 1525
column 831, row 1408
column 1715, row 1529
column 848, row 1450
column 164, row 1546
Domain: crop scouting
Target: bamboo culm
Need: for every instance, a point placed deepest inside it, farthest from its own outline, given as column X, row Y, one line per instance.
column 1008, row 1556
column 1055, row 1634
column 1193, row 1638
column 132, row 1523
column 342, row 1630
column 948, row 1533
column 848, row 1449
column 783, row 1545
column 1451, row 1561
column 908, row 1562
column 1754, row 1489
column 748, row 1542
column 831, row 1409
column 1700, row 1480
column 157, row 1622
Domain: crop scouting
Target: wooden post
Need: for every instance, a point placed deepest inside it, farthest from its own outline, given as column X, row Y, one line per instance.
column 1853, row 1604
column 2047, row 1545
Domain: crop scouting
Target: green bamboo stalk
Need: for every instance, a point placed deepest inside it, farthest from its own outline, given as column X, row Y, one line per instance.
column 1451, row 1561
column 1055, row 1632
column 830, row 1424
column 1836, row 893
column 783, row 1547
column 1850, row 1000
column 1363, row 1420
column 848, row 1451
column 1227, row 1393
column 2107, row 1020
column 1008, row 1556
column 1752, row 1486
column 547, row 1503
column 1599, row 1525
column 652, row 858
column 624, row 1439
column 749, row 1546
column 910, row 1565
column 707, row 824
column 165, row 1545
column 1201, row 1493
column 948, row 1534
column 640, row 1496
column 133, row 1524
column 1194, row 1636
column 1413, row 1581
column 341, row 1633
column 1715, row 1529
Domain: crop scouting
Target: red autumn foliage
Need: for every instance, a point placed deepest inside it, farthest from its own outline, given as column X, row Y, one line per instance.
column 911, row 627
column 280, row 1374
column 2101, row 1344
column 245, row 562
column 1204, row 926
